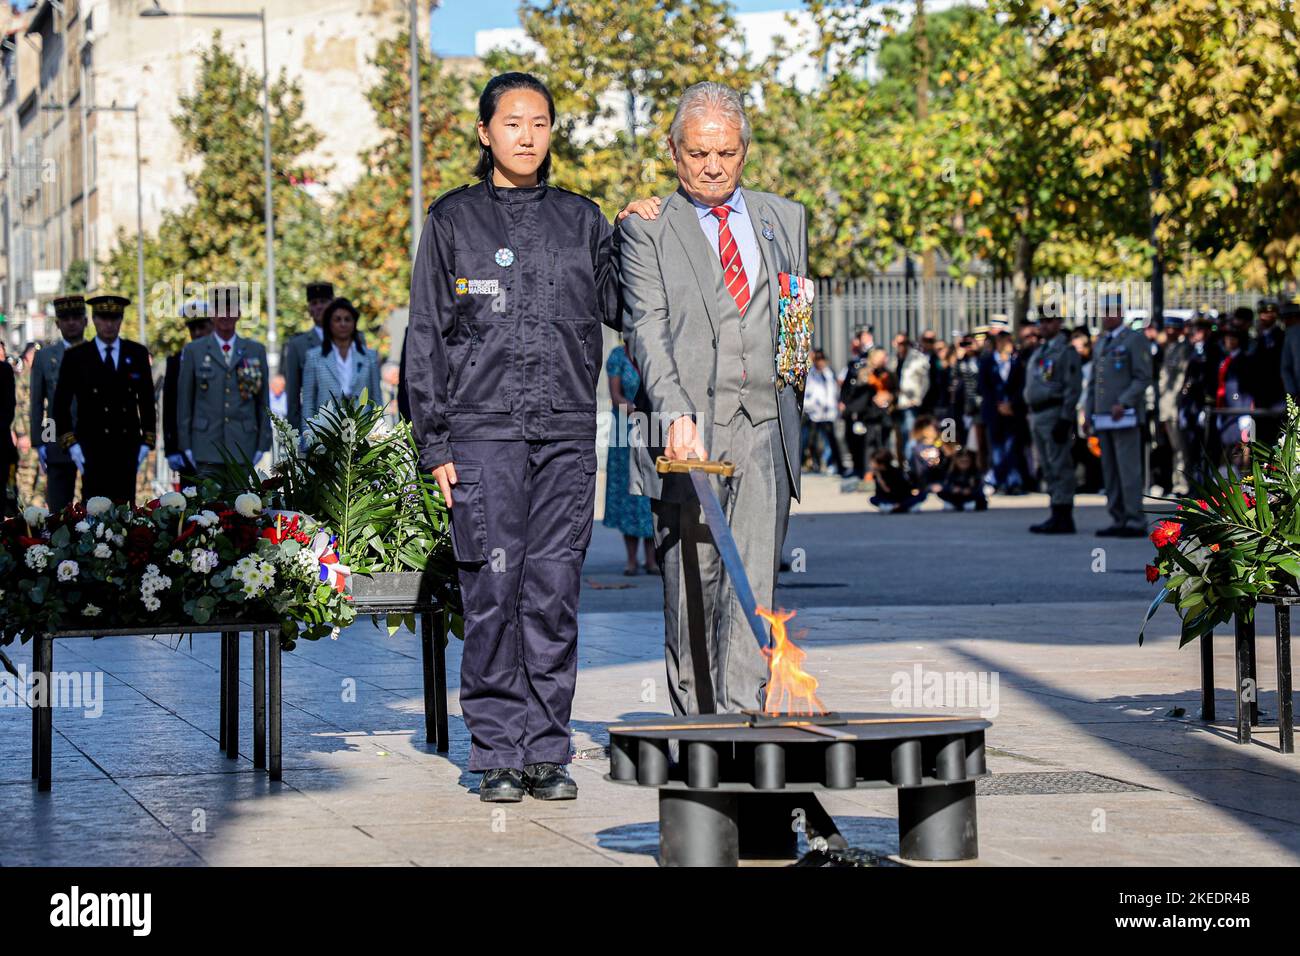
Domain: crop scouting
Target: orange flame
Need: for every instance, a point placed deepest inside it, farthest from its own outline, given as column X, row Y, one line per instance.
column 790, row 689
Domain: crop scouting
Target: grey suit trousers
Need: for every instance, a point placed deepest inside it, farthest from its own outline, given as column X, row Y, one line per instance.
column 1121, row 470
column 714, row 661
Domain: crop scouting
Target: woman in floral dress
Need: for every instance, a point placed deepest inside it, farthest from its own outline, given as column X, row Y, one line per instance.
column 630, row 514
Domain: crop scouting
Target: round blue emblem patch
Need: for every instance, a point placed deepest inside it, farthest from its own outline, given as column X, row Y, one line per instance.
column 505, row 257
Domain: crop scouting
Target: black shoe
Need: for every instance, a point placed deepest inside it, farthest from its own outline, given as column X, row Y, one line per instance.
column 1044, row 527
column 1114, row 531
column 1061, row 521
column 502, row 785
column 1128, row 531
column 550, row 781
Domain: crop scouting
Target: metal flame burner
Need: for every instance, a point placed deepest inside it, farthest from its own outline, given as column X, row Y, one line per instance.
column 729, row 784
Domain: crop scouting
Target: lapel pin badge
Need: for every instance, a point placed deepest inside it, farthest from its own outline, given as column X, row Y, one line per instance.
column 505, row 257
column 768, row 232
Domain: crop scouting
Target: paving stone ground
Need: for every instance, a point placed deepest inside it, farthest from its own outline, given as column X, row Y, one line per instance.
column 144, row 783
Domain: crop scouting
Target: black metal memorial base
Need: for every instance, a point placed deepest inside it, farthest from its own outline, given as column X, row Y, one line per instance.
column 739, row 782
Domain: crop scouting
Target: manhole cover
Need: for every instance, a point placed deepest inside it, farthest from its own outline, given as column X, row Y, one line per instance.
column 1067, row 781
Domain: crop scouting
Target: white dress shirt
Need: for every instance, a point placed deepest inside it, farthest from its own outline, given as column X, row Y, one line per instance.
column 742, row 229
column 222, row 343
column 105, row 347
column 345, row 367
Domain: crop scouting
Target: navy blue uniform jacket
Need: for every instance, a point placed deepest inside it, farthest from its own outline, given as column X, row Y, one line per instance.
column 508, row 292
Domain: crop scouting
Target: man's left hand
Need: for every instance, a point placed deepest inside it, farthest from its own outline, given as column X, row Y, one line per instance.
column 645, row 208
column 144, row 453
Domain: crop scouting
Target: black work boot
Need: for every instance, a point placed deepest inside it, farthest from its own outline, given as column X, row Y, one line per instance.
column 1062, row 520
column 1045, row 526
column 502, row 785
column 549, row 781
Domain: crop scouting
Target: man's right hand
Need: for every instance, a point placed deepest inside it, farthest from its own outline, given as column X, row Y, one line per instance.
column 42, row 454
column 78, row 458
column 684, row 441
column 445, row 475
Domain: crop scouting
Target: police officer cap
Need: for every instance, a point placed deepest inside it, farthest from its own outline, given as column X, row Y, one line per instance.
column 320, row 290
column 1290, row 307
column 1176, row 321
column 108, row 306
column 1266, row 305
column 66, row 306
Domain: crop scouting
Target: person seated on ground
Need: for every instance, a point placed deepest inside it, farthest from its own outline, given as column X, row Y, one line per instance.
column 927, row 464
column 894, row 492
column 963, row 487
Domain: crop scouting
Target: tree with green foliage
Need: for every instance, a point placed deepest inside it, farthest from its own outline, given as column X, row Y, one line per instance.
column 219, row 237
column 372, row 225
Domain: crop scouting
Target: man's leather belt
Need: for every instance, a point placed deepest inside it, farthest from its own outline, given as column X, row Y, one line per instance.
column 1045, row 404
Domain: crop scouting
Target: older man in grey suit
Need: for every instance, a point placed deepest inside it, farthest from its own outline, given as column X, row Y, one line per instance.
column 701, row 283
column 222, row 404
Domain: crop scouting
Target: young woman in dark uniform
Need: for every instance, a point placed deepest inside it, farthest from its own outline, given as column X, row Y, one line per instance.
column 511, row 283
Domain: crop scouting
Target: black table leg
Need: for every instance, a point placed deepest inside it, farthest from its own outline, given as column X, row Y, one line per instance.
column 36, row 713
column 698, row 828
column 1285, row 715
column 1253, row 659
column 225, row 709
column 232, row 699
column 1207, row 677
column 426, row 658
column 274, row 681
column 440, row 682
column 767, row 825
column 938, row 823
column 46, row 708
column 1245, row 685
column 259, row 700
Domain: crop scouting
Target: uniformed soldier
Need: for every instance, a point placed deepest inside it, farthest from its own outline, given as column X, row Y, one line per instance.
column 294, row 356
column 222, row 403
column 1266, row 362
column 108, row 382
column 60, row 472
column 1052, row 387
column 195, row 316
column 1115, row 409
column 1172, row 379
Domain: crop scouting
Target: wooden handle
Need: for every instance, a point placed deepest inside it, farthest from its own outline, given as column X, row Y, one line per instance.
column 665, row 466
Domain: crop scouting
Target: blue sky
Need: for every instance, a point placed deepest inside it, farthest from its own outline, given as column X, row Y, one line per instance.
column 456, row 21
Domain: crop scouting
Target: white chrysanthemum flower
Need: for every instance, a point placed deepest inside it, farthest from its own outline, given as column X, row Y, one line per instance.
column 81, row 527
column 68, row 570
column 173, row 499
column 35, row 515
column 206, row 519
column 189, row 491
column 176, row 557
column 202, row 561
column 98, row 505
column 103, row 551
column 248, row 504
column 37, row 557
column 91, row 611
column 151, row 603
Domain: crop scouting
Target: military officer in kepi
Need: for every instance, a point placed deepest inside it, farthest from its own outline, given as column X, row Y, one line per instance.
column 222, row 402
column 1052, row 389
column 294, row 358
column 109, row 384
column 60, row 472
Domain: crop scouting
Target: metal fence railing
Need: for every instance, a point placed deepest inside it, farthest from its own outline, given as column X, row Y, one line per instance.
column 893, row 304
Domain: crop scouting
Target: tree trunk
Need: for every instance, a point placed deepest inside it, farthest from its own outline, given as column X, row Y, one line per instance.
column 1022, row 278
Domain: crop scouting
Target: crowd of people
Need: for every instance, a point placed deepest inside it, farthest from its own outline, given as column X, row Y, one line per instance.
column 86, row 410
column 955, row 418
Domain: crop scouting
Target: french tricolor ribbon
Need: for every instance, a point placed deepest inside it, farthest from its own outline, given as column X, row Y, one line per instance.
column 337, row 576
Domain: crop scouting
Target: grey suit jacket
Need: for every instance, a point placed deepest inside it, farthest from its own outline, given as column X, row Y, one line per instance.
column 669, row 276
column 44, row 379
column 211, row 414
column 1121, row 372
column 321, row 384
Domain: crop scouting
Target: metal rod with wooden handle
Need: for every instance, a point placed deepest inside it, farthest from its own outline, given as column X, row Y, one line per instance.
column 699, row 469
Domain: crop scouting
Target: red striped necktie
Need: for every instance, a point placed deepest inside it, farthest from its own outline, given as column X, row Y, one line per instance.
column 733, row 270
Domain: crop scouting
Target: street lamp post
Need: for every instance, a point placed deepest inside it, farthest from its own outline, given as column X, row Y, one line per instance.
column 272, row 337
column 417, row 182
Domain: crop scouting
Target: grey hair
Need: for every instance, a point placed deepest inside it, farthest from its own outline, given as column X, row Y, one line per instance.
column 703, row 99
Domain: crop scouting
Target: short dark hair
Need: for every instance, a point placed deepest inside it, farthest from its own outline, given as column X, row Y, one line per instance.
column 336, row 303
column 487, row 106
